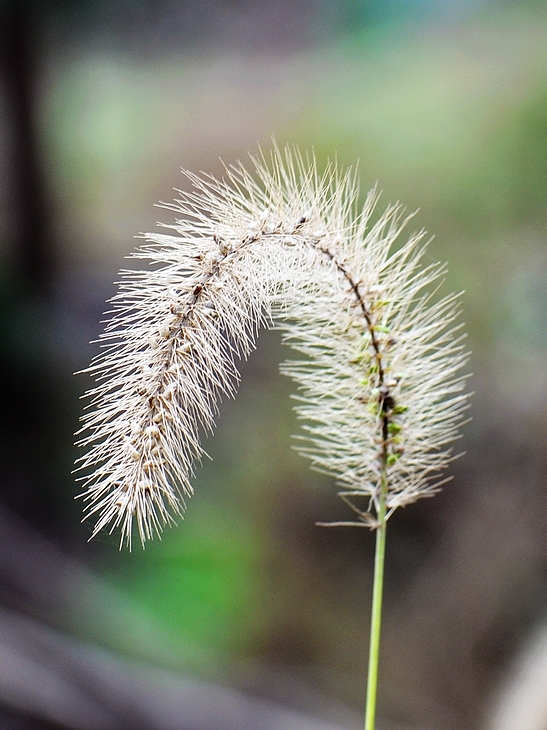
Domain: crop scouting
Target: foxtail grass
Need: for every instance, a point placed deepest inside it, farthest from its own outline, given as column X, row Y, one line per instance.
column 379, row 351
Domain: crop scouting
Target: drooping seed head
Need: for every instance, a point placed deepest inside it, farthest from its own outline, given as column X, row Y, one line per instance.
column 380, row 388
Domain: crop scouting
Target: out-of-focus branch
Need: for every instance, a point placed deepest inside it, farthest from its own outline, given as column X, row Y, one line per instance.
column 53, row 677
column 33, row 257
column 49, row 674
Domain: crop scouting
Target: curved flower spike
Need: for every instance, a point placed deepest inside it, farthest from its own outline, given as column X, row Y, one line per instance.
column 380, row 386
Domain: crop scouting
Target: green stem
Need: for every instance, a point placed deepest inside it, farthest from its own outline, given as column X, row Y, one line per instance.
column 376, row 617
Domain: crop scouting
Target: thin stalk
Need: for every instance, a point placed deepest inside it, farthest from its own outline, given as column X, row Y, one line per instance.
column 376, row 616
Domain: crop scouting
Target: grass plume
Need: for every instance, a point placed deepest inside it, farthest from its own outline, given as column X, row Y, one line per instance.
column 380, row 384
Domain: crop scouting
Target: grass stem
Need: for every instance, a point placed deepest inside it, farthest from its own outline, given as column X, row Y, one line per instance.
column 376, row 616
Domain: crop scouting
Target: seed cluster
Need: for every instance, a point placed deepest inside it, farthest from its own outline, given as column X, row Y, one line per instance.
column 380, row 390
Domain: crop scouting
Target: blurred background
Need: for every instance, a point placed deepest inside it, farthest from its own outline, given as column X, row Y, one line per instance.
column 248, row 615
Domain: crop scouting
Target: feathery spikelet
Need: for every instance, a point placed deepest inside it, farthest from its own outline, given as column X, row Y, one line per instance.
column 380, row 388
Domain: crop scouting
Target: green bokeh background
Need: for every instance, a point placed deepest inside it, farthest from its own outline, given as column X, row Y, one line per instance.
column 445, row 106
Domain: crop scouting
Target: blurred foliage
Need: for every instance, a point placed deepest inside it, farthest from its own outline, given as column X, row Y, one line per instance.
column 453, row 121
column 445, row 104
column 199, row 581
